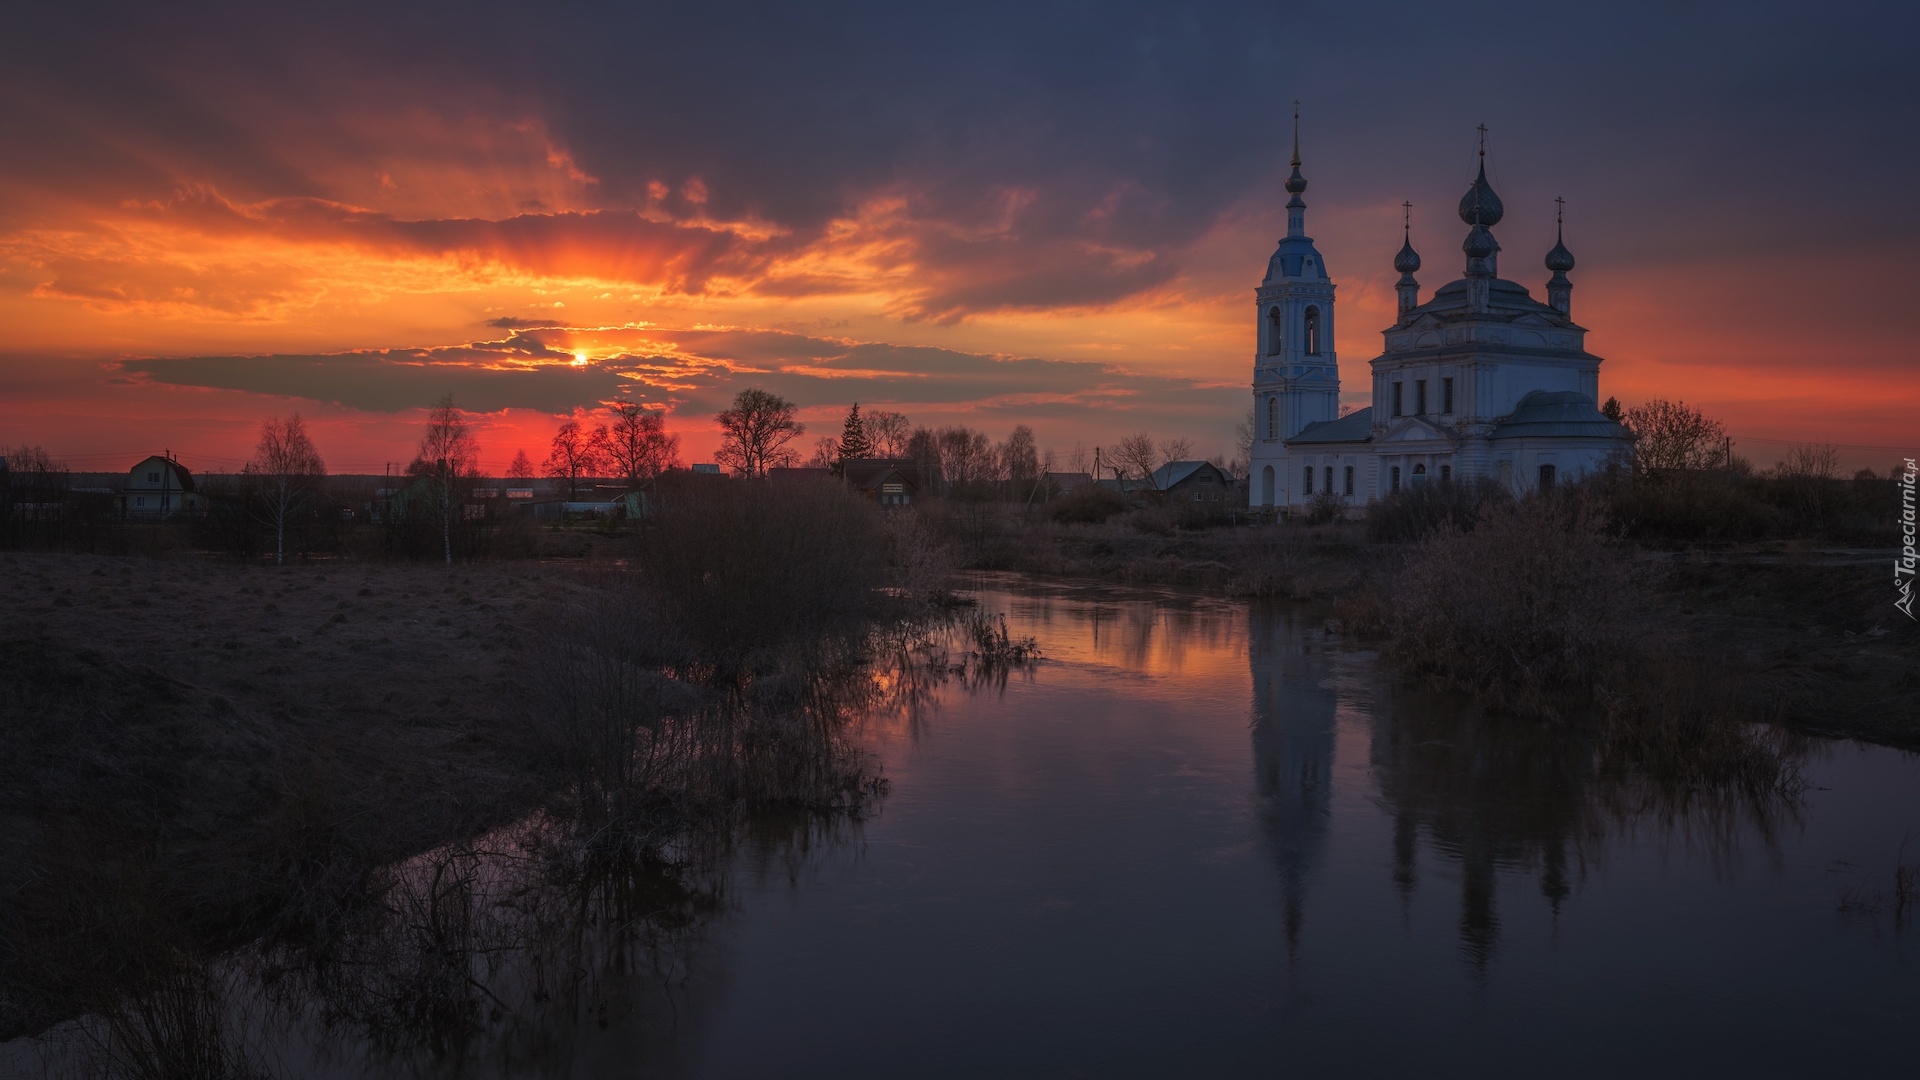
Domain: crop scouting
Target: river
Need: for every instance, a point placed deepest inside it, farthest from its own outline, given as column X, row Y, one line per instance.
column 1204, row 839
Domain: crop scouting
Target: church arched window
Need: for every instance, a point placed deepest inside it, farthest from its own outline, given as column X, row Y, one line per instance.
column 1273, row 418
column 1313, row 331
column 1273, row 332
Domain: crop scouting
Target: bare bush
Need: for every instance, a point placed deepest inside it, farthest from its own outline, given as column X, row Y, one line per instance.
column 1671, row 436
column 1415, row 512
column 1088, row 504
column 743, row 570
column 1529, row 608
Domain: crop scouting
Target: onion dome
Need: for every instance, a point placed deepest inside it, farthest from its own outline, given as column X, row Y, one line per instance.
column 1296, row 183
column 1480, row 206
column 1408, row 260
column 1559, row 260
column 1480, row 243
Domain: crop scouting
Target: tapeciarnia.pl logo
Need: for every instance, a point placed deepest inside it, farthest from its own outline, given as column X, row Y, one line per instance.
column 1903, row 565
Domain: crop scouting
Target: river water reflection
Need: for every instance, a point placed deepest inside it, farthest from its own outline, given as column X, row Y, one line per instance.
column 1202, row 839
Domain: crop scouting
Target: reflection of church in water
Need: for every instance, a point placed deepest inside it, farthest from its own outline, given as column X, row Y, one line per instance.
column 1482, row 794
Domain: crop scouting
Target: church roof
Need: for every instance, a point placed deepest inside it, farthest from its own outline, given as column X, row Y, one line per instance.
column 1295, row 257
column 1504, row 299
column 1561, row 413
column 1356, row 426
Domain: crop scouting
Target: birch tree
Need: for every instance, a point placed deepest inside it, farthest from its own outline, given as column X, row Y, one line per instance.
column 288, row 470
column 447, row 457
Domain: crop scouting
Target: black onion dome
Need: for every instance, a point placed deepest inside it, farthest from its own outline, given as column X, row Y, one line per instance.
column 1408, row 261
column 1480, row 206
column 1296, row 183
column 1479, row 243
column 1559, row 260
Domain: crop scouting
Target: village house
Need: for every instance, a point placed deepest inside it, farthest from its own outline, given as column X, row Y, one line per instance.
column 1065, row 483
column 160, row 487
column 888, row 481
column 1200, row 482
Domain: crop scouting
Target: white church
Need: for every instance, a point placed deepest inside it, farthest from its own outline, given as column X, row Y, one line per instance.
column 1481, row 381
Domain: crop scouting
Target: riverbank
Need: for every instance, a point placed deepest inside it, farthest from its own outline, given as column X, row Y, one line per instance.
column 1807, row 637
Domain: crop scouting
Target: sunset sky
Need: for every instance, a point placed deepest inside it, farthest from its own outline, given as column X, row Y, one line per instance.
column 1052, row 214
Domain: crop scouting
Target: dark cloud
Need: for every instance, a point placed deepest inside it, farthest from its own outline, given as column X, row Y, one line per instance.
column 392, row 381
column 698, row 371
column 1130, row 125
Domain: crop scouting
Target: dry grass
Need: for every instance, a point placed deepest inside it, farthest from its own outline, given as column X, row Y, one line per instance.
column 192, row 753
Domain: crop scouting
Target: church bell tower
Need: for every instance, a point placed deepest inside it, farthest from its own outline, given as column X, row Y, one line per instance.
column 1296, row 374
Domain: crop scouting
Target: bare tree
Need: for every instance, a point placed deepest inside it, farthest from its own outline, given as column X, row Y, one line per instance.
column 574, row 455
column 1020, row 461
column 446, row 459
column 826, row 453
column 288, row 469
column 521, row 468
column 1812, row 461
column 754, row 433
column 1670, row 436
column 1136, row 456
column 967, row 457
column 888, row 432
column 637, row 444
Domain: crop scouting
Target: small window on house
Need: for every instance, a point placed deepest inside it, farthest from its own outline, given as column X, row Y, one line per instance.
column 1273, row 332
column 139, row 500
column 1446, row 473
column 1273, row 418
column 1349, row 484
column 1446, row 397
column 153, row 478
column 1306, row 482
column 1313, row 331
column 1546, row 476
column 1419, row 397
column 1393, row 479
column 1328, row 477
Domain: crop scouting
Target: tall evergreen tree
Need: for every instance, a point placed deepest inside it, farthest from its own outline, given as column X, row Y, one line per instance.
column 853, row 437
